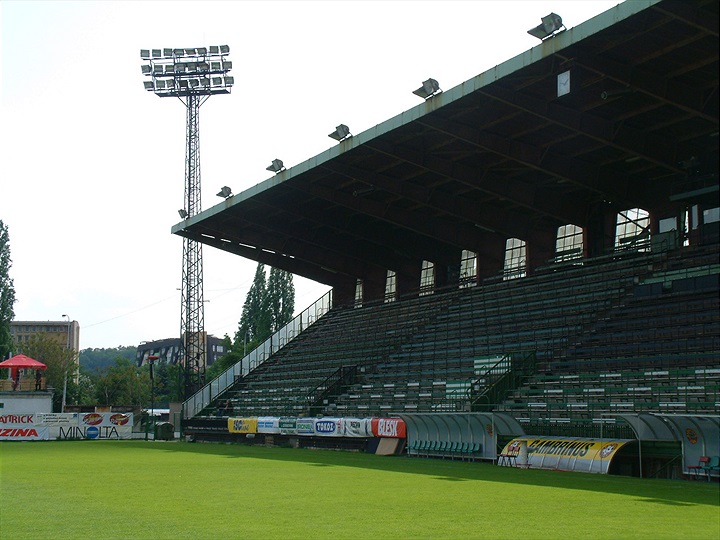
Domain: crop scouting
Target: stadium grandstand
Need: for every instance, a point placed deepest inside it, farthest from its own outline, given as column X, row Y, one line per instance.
column 538, row 243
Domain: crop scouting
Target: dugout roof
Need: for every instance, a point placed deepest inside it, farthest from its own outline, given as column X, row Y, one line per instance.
column 504, row 154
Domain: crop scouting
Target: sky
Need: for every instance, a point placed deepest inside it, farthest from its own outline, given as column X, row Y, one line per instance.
column 92, row 165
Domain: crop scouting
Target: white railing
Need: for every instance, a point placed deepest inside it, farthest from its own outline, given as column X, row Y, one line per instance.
column 196, row 403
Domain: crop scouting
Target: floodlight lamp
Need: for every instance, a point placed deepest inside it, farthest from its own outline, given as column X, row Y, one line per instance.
column 149, row 85
column 145, row 54
column 276, row 166
column 227, row 65
column 146, row 69
column 156, row 53
column 179, row 52
column 183, row 213
column 428, row 89
column 159, row 85
column 169, row 68
column 194, row 83
column 190, row 52
column 167, row 53
column 202, row 51
column 214, row 49
column 341, row 132
column 157, row 68
column 229, row 81
column 225, row 192
column 215, row 66
column 217, row 81
column 224, row 49
column 551, row 24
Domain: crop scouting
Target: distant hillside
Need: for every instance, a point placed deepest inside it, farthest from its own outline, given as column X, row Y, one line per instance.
column 96, row 361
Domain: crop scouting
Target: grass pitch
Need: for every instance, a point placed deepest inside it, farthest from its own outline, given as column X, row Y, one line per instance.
column 159, row 490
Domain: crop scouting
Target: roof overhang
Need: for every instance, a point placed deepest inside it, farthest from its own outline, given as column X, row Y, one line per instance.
column 508, row 153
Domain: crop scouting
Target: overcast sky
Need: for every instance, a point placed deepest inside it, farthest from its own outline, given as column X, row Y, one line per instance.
column 92, row 165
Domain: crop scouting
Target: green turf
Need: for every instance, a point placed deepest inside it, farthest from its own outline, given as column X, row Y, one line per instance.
column 157, row 490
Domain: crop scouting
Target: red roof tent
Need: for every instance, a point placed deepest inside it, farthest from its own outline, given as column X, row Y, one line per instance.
column 20, row 361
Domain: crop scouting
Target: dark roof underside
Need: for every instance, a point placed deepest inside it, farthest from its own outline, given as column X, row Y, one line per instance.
column 508, row 158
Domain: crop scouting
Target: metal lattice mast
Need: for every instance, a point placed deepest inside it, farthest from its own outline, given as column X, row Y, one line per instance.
column 192, row 75
column 192, row 310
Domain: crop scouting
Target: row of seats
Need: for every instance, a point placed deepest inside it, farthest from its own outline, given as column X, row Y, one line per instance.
column 451, row 449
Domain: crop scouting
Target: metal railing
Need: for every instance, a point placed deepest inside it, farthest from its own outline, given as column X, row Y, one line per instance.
column 201, row 399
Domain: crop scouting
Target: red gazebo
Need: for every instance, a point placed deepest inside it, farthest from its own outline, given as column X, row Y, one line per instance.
column 20, row 361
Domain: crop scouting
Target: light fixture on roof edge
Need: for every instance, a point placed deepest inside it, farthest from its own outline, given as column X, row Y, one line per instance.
column 276, row 166
column 225, row 192
column 341, row 133
column 183, row 213
column 428, row 89
column 551, row 24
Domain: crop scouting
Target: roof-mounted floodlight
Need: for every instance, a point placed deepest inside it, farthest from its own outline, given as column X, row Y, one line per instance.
column 214, row 49
column 144, row 54
column 428, row 89
column 276, row 166
column 148, row 85
column 551, row 24
column 229, row 81
column 225, row 192
column 156, row 53
column 224, row 49
column 341, row 132
column 146, row 68
column 202, row 51
column 167, row 53
column 183, row 213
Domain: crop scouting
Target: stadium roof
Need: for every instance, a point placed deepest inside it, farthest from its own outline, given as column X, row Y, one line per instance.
column 505, row 154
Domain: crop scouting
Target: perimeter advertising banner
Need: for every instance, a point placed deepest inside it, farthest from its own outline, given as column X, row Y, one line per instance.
column 389, row 427
column 243, row 425
column 268, row 424
column 358, row 427
column 48, row 426
column 567, row 454
column 329, row 427
column 21, row 427
column 320, row 427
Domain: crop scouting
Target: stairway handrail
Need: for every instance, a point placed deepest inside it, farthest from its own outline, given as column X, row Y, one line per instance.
column 203, row 397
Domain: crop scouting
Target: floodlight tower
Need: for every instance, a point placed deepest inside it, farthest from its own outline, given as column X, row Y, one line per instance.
column 192, row 76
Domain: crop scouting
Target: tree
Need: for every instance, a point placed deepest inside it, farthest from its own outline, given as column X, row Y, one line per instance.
column 280, row 298
column 100, row 360
column 124, row 384
column 254, row 322
column 60, row 362
column 7, row 293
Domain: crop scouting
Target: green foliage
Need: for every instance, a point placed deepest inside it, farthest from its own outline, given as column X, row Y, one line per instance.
column 123, row 384
column 168, row 382
column 280, row 298
column 269, row 305
column 98, row 361
column 7, row 293
column 254, row 321
column 61, row 365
